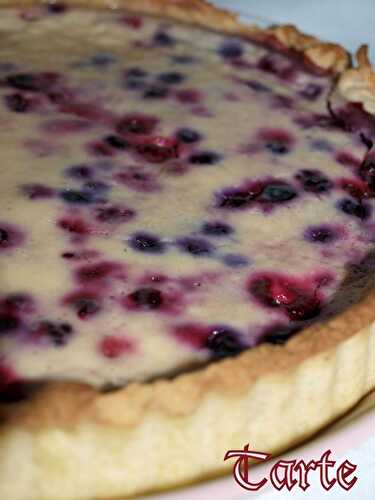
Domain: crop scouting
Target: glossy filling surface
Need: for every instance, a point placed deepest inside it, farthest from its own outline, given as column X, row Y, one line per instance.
column 168, row 196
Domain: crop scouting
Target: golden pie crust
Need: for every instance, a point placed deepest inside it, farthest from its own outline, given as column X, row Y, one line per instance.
column 71, row 441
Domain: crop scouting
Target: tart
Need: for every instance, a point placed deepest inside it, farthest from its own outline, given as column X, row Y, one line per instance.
column 187, row 235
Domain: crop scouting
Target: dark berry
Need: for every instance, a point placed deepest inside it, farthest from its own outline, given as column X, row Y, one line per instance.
column 95, row 187
column 146, row 298
column 80, row 172
column 114, row 214
column 257, row 86
column 116, row 142
column 230, row 49
column 20, row 303
column 148, row 243
column 4, row 236
column 367, row 171
column 31, row 82
column 58, row 333
column 136, row 73
column 235, row 260
column 354, row 208
column 158, row 149
column 188, row 135
column 8, row 323
column 321, row 234
column 86, row 307
column 278, row 334
column 217, row 229
column 56, row 8
column 224, row 342
column 171, row 78
column 156, row 92
column 277, row 192
column 78, row 197
column 205, row 158
column 162, row 39
column 37, row 191
column 314, row 181
column 311, row 92
column 137, row 124
column 183, row 59
column 195, row 246
column 17, row 103
column 276, row 147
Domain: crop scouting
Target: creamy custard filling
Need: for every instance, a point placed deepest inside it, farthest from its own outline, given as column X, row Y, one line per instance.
column 168, row 196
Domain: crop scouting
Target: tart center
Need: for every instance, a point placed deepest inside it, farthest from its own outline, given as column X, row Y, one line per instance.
column 169, row 196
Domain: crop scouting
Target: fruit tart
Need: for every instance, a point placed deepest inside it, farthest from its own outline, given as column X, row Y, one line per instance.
column 187, row 236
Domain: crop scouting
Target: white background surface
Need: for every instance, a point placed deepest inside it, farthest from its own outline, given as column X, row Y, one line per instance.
column 350, row 23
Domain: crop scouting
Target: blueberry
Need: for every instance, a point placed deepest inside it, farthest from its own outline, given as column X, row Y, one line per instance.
column 102, row 60
column 156, row 92
column 95, row 187
column 257, row 86
column 367, row 172
column 147, row 243
column 314, row 181
column 146, row 298
column 116, row 142
column 204, row 158
column 277, row 147
column 56, row 8
column 195, row 246
column 183, row 59
column 58, row 333
column 171, row 78
column 79, row 197
column 231, row 49
column 162, row 39
column 354, row 208
column 25, row 81
column 188, row 135
column 135, row 84
column 136, row 73
column 235, row 198
column 86, row 307
column 224, row 342
column 216, row 229
column 321, row 234
column 8, row 323
column 311, row 92
column 235, row 260
column 79, row 172
column 4, row 236
column 278, row 334
column 277, row 193
column 17, row 103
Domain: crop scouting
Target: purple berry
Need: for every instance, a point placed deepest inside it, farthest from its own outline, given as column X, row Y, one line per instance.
column 58, row 333
column 162, row 39
column 156, row 92
column 367, row 171
column 146, row 298
column 314, row 181
column 77, row 197
column 195, row 246
column 56, row 8
column 4, row 236
column 136, row 73
column 321, row 234
column 217, row 229
column 224, row 342
column 188, row 135
column 80, row 172
column 231, row 49
column 235, row 260
column 116, row 142
column 171, row 78
column 8, row 323
column 311, row 92
column 147, row 243
column 277, row 192
column 278, row 334
column 17, row 103
column 354, row 208
column 204, row 158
